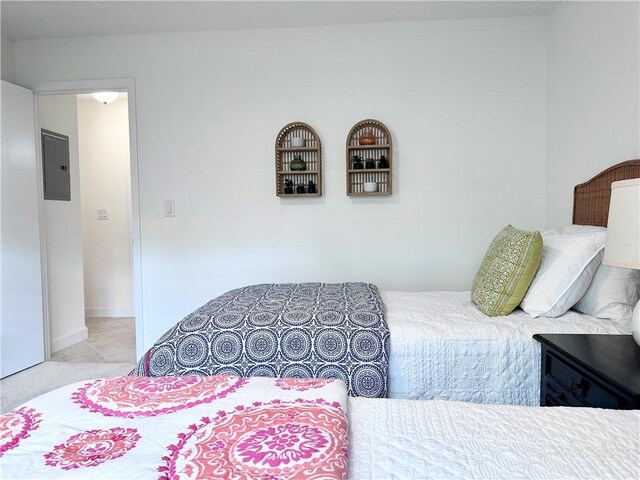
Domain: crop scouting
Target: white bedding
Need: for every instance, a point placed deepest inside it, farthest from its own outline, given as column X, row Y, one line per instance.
column 407, row 439
column 443, row 347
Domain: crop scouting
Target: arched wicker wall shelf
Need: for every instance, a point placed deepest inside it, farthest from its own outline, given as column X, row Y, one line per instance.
column 309, row 149
column 369, row 159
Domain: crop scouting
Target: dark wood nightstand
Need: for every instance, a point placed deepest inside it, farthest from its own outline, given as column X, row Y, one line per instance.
column 600, row 371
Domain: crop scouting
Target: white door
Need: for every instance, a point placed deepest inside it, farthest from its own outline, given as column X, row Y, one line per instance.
column 21, row 324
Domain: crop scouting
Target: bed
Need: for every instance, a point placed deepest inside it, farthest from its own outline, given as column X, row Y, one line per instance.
column 231, row 427
column 419, row 345
column 409, row 439
column 443, row 347
column 179, row 427
column 304, row 330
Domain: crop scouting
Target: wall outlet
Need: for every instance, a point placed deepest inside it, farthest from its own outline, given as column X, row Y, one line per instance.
column 169, row 208
column 102, row 214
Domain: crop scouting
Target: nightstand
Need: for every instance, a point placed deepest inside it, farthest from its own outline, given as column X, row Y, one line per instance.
column 600, row 371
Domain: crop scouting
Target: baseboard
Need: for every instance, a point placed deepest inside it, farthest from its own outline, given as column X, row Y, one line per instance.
column 68, row 340
column 108, row 312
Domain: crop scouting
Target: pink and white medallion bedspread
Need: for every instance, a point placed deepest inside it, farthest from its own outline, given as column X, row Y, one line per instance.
column 180, row 428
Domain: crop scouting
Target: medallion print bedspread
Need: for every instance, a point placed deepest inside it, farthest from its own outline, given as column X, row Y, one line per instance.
column 306, row 330
column 180, row 428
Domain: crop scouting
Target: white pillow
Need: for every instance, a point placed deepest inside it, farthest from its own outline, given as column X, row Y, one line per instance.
column 583, row 229
column 613, row 292
column 567, row 266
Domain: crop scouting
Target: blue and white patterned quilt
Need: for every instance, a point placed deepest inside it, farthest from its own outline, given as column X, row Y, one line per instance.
column 307, row 330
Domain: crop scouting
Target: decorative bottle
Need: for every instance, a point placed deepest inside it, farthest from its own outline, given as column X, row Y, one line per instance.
column 298, row 163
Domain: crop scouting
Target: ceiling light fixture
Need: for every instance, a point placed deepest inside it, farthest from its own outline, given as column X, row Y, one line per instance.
column 106, row 97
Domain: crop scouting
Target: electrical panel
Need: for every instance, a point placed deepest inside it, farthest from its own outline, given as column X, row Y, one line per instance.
column 55, row 164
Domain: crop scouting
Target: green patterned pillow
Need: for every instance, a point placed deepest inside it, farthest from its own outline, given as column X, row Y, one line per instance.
column 506, row 271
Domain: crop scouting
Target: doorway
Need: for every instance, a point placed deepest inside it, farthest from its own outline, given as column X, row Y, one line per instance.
column 105, row 189
column 88, row 228
column 107, row 287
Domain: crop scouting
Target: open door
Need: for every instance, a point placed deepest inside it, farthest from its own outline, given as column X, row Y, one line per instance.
column 21, row 323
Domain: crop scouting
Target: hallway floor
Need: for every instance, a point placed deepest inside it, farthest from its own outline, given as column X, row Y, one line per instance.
column 111, row 340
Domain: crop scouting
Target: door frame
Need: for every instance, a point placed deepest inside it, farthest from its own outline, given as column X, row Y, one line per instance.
column 74, row 87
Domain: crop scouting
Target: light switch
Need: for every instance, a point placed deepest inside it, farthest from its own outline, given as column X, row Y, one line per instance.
column 169, row 208
column 102, row 214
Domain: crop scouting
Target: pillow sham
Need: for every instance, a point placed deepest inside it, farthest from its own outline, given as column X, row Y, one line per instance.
column 567, row 266
column 571, row 229
column 506, row 271
column 613, row 292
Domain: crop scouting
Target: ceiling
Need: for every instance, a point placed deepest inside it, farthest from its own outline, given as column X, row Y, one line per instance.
column 50, row 19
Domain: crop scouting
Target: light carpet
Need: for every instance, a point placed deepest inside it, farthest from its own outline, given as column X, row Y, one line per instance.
column 47, row 376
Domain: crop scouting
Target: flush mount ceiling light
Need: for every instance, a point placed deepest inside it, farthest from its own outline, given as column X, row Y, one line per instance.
column 106, row 97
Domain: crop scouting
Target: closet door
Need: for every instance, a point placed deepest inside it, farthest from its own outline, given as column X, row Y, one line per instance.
column 21, row 324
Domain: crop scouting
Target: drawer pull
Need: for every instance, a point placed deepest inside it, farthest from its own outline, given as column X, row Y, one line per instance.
column 573, row 386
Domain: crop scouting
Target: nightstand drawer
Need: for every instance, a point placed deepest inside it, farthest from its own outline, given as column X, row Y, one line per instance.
column 593, row 370
column 580, row 385
column 557, row 395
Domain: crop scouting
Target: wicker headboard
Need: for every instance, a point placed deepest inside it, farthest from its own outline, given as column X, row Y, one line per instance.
column 591, row 198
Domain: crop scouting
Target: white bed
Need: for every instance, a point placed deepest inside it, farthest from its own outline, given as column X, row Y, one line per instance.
column 443, row 347
column 407, row 439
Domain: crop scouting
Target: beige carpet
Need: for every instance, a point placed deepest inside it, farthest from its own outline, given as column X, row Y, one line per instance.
column 47, row 376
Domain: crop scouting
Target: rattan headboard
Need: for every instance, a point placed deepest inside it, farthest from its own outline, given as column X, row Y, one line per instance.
column 591, row 198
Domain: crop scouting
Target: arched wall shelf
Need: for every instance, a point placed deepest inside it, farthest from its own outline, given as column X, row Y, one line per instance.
column 309, row 149
column 373, row 152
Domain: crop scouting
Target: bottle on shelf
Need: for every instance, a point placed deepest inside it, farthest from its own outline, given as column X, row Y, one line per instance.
column 298, row 163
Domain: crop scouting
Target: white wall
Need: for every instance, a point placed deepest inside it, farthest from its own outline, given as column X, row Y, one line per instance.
column 103, row 132
column 465, row 102
column 8, row 62
column 59, row 114
column 594, row 100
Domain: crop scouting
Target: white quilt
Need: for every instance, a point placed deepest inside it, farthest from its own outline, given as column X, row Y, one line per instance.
column 443, row 347
column 407, row 439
